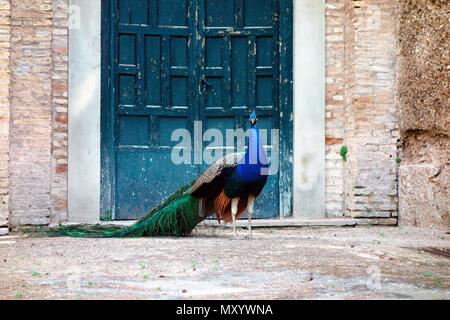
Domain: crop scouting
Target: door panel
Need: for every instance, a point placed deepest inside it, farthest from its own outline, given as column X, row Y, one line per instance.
column 172, row 12
column 171, row 69
column 154, row 57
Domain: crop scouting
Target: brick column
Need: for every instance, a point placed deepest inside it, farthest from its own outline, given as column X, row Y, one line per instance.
column 5, row 50
column 371, row 128
column 31, row 113
column 59, row 111
column 334, row 112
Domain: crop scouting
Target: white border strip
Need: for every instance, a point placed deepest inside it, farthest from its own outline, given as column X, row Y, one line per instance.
column 84, row 111
column 309, row 109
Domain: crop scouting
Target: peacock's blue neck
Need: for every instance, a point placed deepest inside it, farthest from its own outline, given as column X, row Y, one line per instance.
column 255, row 158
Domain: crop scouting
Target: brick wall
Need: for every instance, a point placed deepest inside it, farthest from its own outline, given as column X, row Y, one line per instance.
column 59, row 111
column 334, row 112
column 37, row 96
column 349, row 80
column 5, row 50
column 361, row 39
column 371, row 129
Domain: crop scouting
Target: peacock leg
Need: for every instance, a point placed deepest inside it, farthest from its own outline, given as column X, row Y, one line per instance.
column 234, row 209
column 250, row 205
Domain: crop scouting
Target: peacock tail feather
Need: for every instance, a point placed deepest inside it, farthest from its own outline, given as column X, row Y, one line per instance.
column 212, row 192
column 176, row 216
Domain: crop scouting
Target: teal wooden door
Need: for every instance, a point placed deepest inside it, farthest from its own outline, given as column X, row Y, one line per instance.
column 172, row 62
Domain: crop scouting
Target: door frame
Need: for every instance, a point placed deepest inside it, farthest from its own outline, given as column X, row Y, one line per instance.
column 108, row 99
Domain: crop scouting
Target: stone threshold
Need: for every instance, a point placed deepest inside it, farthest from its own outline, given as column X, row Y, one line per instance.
column 270, row 223
column 286, row 223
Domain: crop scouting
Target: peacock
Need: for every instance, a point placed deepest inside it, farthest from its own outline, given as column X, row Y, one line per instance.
column 228, row 188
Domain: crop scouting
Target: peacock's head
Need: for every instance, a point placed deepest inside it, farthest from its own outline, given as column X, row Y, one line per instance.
column 253, row 118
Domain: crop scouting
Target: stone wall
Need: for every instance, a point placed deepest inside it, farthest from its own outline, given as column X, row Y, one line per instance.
column 5, row 51
column 424, row 108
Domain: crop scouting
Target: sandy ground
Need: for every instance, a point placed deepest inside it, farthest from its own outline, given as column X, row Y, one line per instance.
column 297, row 263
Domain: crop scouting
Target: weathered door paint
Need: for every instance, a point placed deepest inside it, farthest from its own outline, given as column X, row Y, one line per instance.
column 173, row 62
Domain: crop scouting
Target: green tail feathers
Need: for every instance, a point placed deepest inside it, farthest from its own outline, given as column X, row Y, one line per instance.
column 178, row 215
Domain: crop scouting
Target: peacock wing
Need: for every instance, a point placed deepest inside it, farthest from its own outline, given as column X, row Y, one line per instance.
column 212, row 179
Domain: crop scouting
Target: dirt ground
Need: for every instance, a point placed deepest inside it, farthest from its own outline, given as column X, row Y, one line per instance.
column 296, row 263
